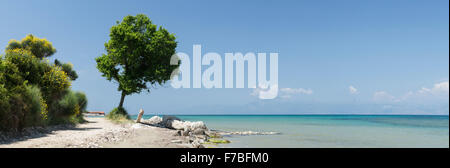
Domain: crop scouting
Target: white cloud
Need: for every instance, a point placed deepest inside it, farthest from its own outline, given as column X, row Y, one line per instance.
column 353, row 90
column 439, row 92
column 438, row 89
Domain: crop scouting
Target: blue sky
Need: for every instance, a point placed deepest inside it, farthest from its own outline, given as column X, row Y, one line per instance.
column 393, row 54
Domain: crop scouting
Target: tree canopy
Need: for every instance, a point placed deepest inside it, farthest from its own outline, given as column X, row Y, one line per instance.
column 40, row 48
column 137, row 55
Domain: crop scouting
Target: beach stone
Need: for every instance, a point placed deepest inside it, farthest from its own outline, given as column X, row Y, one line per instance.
column 197, row 125
column 176, row 141
column 187, row 125
column 199, row 131
column 186, row 128
column 168, row 120
column 155, row 120
column 169, row 117
column 178, row 133
column 201, row 137
column 184, row 133
column 197, row 143
column 213, row 134
column 177, row 124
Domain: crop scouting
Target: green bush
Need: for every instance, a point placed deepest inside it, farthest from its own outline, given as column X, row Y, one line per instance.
column 40, row 48
column 82, row 101
column 34, row 92
column 54, row 82
column 10, row 78
column 68, row 68
column 69, row 108
column 67, row 105
column 37, row 112
column 12, row 89
column 30, row 68
column 22, row 108
column 118, row 114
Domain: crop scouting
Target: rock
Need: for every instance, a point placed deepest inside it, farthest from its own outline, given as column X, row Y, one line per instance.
column 176, row 124
column 186, row 125
column 169, row 117
column 176, row 141
column 167, row 121
column 178, row 133
column 185, row 133
column 199, row 131
column 213, row 134
column 197, row 144
column 217, row 141
column 155, row 120
column 196, row 125
column 172, row 122
column 201, row 137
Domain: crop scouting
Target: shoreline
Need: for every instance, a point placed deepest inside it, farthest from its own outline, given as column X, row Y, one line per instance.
column 300, row 132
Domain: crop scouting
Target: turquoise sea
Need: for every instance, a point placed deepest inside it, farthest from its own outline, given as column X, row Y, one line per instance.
column 322, row 131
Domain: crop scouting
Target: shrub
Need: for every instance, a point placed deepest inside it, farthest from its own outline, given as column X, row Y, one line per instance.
column 22, row 108
column 118, row 114
column 10, row 78
column 82, row 101
column 68, row 104
column 40, row 48
column 62, row 109
column 69, row 108
column 54, row 82
column 37, row 112
column 34, row 92
column 68, row 68
column 12, row 88
column 4, row 106
column 30, row 68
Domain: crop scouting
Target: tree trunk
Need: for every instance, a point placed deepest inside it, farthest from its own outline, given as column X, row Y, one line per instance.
column 122, row 99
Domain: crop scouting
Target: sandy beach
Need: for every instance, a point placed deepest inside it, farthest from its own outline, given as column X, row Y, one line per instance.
column 97, row 132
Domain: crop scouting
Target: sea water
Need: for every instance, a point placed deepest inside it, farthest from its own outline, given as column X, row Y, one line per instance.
column 323, row 131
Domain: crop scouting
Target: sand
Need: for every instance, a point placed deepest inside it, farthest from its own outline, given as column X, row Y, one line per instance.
column 97, row 133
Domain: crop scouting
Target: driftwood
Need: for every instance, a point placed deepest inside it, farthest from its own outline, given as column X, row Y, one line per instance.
column 141, row 113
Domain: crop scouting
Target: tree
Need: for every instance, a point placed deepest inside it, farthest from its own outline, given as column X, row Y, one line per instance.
column 40, row 48
column 68, row 68
column 138, row 55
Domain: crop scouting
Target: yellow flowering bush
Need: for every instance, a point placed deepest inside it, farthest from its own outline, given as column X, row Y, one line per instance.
column 34, row 91
column 44, row 110
column 40, row 48
column 55, row 80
